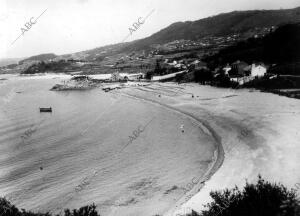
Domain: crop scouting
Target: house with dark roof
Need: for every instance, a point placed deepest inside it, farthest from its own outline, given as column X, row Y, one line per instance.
column 239, row 68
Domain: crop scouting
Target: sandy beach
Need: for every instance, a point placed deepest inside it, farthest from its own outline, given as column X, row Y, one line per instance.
column 197, row 139
column 257, row 131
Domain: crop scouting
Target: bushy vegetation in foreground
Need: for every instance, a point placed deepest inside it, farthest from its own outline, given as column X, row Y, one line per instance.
column 7, row 209
column 260, row 199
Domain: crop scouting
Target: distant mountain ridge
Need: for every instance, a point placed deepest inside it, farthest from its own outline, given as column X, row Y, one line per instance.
column 41, row 57
column 220, row 25
column 240, row 22
column 8, row 61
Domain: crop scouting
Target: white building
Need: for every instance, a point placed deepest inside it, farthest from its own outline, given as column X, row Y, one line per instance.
column 226, row 69
column 258, row 70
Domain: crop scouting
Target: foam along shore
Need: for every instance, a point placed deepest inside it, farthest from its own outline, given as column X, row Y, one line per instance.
column 259, row 133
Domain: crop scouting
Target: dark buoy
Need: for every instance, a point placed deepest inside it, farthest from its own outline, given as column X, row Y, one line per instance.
column 41, row 168
column 158, row 95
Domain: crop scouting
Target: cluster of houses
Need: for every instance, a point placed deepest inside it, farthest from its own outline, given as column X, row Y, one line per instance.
column 238, row 71
column 242, row 73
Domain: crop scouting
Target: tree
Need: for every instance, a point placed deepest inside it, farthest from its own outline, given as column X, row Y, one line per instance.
column 149, row 75
column 179, row 77
column 157, row 67
column 203, row 76
column 158, row 70
column 7, row 209
column 260, row 199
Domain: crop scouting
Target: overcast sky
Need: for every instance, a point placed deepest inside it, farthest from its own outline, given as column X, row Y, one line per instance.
column 75, row 25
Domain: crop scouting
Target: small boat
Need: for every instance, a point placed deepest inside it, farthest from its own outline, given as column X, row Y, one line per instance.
column 46, row 109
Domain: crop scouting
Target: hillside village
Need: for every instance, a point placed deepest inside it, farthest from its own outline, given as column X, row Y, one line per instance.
column 252, row 57
column 174, row 57
column 109, row 59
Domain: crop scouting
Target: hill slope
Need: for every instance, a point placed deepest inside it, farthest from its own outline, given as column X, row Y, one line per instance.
column 220, row 25
column 41, row 57
column 8, row 61
column 236, row 26
column 279, row 47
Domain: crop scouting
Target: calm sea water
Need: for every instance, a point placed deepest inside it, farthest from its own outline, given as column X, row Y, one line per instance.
column 127, row 156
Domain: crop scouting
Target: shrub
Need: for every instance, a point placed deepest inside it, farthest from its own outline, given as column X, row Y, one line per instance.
column 203, row 76
column 7, row 209
column 260, row 199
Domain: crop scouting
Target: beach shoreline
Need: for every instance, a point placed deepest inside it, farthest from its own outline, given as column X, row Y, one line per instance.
column 213, row 167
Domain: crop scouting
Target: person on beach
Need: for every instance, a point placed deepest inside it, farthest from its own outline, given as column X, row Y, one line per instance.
column 182, row 128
